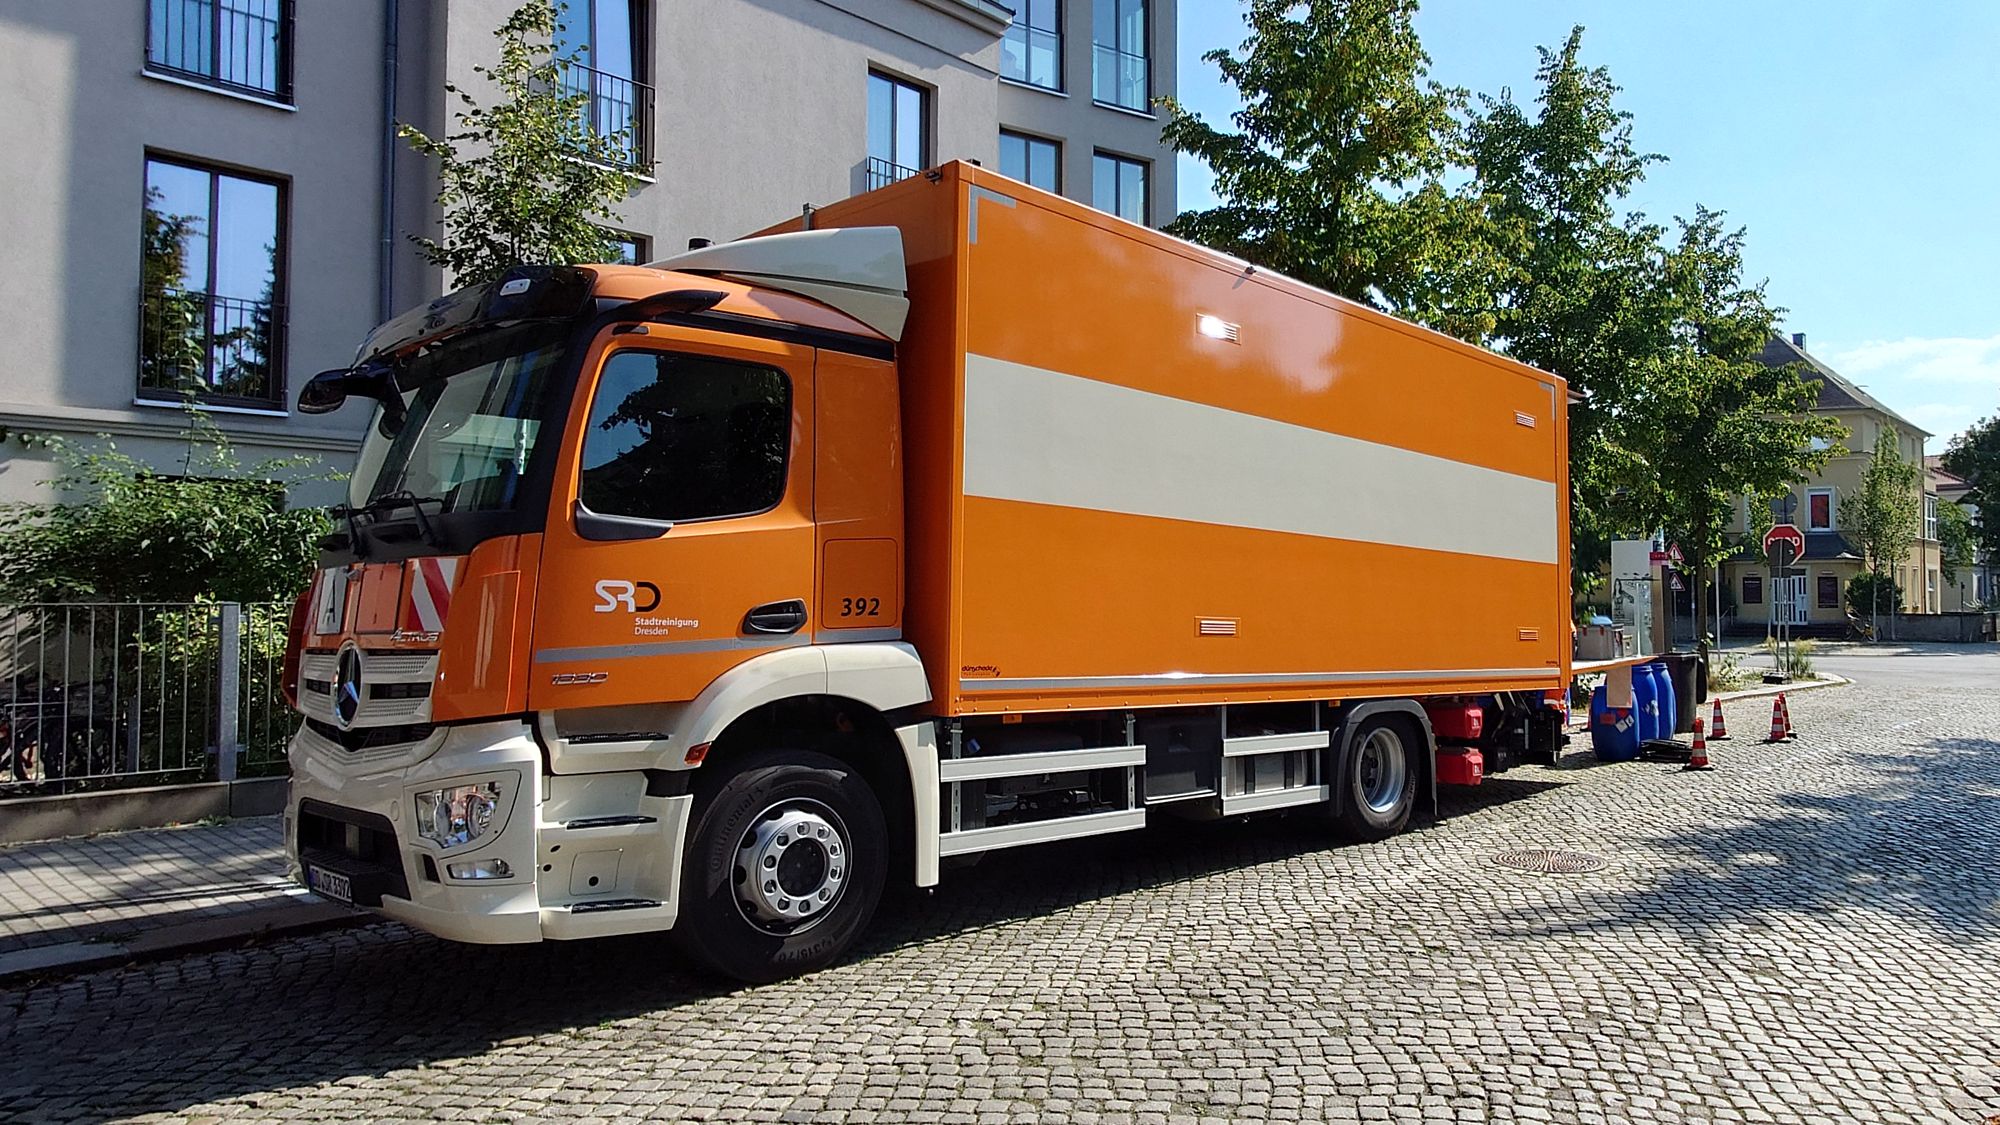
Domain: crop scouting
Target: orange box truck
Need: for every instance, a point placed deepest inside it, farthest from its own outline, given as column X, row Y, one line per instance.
column 710, row 596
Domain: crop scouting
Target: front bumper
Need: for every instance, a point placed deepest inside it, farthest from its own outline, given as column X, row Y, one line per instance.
column 586, row 855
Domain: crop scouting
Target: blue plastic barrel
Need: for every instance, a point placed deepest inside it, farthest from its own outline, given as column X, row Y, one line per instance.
column 1614, row 731
column 1670, row 712
column 1646, row 701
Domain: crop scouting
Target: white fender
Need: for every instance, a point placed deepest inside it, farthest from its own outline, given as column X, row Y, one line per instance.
column 882, row 675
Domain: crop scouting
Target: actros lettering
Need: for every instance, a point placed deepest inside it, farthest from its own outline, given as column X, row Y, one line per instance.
column 614, row 594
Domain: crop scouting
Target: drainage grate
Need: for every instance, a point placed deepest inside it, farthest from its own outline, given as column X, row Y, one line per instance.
column 1559, row 861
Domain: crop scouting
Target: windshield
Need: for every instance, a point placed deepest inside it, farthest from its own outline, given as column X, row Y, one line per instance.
column 475, row 407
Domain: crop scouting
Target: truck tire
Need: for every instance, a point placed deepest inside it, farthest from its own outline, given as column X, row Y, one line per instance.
column 1377, row 788
column 811, row 832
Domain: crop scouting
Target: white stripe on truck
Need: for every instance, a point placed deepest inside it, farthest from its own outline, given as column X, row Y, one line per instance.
column 1044, row 437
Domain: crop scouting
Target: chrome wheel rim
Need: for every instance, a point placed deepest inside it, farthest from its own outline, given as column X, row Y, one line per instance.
column 1383, row 771
column 791, row 866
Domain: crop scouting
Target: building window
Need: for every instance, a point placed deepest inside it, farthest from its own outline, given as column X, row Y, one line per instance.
column 1829, row 591
column 241, row 45
column 602, row 39
column 630, row 249
column 1753, row 589
column 1930, row 517
column 1031, row 160
column 1118, row 185
column 1118, row 63
column 684, row 437
column 211, row 283
column 898, row 129
column 1031, row 51
column 1930, row 591
column 1819, row 509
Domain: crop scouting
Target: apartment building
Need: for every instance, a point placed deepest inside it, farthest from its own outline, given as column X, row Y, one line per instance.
column 1818, row 594
column 209, row 194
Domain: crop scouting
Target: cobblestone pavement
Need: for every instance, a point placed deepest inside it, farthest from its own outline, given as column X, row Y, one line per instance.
column 1810, row 933
column 107, row 887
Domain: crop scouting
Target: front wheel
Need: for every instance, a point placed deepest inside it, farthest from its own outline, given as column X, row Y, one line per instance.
column 785, row 863
column 1377, row 788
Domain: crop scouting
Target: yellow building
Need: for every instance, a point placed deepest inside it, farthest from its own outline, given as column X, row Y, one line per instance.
column 1819, row 581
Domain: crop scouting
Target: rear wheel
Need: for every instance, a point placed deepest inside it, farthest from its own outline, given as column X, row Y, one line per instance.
column 1378, row 782
column 785, row 863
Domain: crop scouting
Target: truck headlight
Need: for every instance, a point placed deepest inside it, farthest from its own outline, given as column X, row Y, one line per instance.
column 458, row 815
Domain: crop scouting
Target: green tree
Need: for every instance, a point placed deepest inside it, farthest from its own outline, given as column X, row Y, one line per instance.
column 1337, row 173
column 1705, row 420
column 1975, row 456
column 529, row 178
column 1573, row 293
column 1883, row 517
column 218, row 529
column 1958, row 540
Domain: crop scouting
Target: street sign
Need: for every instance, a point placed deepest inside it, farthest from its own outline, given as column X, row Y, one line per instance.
column 1674, row 553
column 1783, row 545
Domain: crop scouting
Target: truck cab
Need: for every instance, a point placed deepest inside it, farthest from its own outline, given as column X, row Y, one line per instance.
column 607, row 523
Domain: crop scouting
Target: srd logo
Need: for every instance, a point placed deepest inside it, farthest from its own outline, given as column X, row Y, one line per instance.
column 614, row 594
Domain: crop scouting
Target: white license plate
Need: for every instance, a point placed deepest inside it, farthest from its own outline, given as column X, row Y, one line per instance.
column 332, row 884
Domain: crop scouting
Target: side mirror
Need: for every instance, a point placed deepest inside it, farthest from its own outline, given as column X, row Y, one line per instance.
column 326, row 391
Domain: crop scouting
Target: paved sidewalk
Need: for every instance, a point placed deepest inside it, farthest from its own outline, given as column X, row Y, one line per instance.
column 71, row 903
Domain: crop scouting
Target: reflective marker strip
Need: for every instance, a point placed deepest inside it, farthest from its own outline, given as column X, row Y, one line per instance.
column 666, row 648
column 1044, row 437
column 1232, row 679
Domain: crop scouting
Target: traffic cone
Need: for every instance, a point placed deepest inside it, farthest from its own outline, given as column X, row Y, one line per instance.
column 1785, row 709
column 1698, row 757
column 1719, row 731
column 1777, row 719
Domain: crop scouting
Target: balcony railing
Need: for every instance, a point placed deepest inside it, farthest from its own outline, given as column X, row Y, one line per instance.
column 224, row 350
column 881, row 173
column 241, row 45
column 616, row 109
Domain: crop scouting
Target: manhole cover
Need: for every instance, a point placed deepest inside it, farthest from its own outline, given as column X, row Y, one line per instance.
column 1559, row 861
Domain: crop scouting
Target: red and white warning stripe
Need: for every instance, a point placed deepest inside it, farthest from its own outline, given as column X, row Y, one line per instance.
column 427, row 596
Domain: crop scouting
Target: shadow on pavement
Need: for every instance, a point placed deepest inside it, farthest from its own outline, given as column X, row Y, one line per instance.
column 157, row 1038
column 1913, row 840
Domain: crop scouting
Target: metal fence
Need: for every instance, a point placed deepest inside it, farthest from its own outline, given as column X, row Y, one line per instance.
column 110, row 695
column 616, row 109
column 881, row 173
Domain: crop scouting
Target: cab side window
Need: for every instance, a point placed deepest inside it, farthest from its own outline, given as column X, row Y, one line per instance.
column 682, row 437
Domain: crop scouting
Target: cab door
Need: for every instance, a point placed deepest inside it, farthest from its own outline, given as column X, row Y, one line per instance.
column 680, row 535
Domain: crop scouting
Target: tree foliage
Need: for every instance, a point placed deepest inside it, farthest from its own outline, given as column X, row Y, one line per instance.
column 1705, row 422
column 1975, row 456
column 1336, row 173
column 125, row 532
column 532, row 177
column 1884, row 515
column 1958, row 540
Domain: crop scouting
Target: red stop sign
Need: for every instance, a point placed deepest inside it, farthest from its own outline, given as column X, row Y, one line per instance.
column 1783, row 543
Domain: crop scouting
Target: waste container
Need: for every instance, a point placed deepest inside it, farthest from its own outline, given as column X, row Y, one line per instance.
column 1666, row 709
column 1689, row 671
column 1614, row 731
column 1646, row 701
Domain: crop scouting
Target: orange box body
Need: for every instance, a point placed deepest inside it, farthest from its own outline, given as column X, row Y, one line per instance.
column 1141, row 473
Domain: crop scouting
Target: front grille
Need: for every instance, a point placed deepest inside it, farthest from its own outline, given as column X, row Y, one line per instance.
column 359, row 845
column 371, row 738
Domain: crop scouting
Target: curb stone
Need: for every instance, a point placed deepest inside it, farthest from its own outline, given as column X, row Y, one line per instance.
column 284, row 919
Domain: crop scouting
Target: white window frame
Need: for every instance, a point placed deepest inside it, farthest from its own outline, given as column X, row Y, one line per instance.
column 1930, row 516
column 1832, row 509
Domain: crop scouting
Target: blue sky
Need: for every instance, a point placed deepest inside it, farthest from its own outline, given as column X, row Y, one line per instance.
column 1858, row 142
